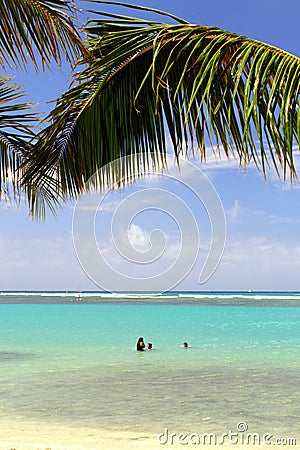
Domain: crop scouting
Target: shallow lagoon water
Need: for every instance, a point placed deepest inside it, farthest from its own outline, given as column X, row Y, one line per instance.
column 76, row 363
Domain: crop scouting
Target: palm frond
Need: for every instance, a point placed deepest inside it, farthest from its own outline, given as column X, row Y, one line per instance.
column 137, row 8
column 37, row 27
column 148, row 80
column 15, row 135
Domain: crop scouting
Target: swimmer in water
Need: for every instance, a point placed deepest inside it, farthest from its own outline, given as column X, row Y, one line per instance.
column 140, row 345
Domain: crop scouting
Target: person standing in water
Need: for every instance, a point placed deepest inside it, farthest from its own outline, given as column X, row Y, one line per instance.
column 140, row 345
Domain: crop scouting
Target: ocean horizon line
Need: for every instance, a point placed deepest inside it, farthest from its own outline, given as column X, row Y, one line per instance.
column 173, row 292
column 225, row 298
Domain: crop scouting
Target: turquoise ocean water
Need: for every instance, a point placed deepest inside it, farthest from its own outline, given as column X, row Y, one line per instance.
column 70, row 358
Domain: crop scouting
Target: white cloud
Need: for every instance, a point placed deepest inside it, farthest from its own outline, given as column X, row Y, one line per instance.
column 234, row 212
column 217, row 160
column 40, row 264
column 279, row 181
column 258, row 263
column 138, row 238
column 213, row 160
column 249, row 262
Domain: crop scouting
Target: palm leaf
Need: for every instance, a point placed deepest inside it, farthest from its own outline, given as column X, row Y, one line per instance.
column 15, row 134
column 149, row 80
column 37, row 27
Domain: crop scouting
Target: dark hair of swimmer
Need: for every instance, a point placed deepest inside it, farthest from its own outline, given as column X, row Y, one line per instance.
column 140, row 345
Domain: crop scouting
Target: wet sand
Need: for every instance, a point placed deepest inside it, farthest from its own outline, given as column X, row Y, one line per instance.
column 20, row 435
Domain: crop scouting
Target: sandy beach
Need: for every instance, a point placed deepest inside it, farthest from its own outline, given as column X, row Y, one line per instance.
column 20, row 435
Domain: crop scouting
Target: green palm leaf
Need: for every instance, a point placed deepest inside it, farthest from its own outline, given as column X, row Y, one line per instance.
column 31, row 28
column 15, row 134
column 149, row 80
column 36, row 31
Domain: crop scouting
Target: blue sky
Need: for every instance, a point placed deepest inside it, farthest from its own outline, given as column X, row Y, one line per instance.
column 262, row 249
